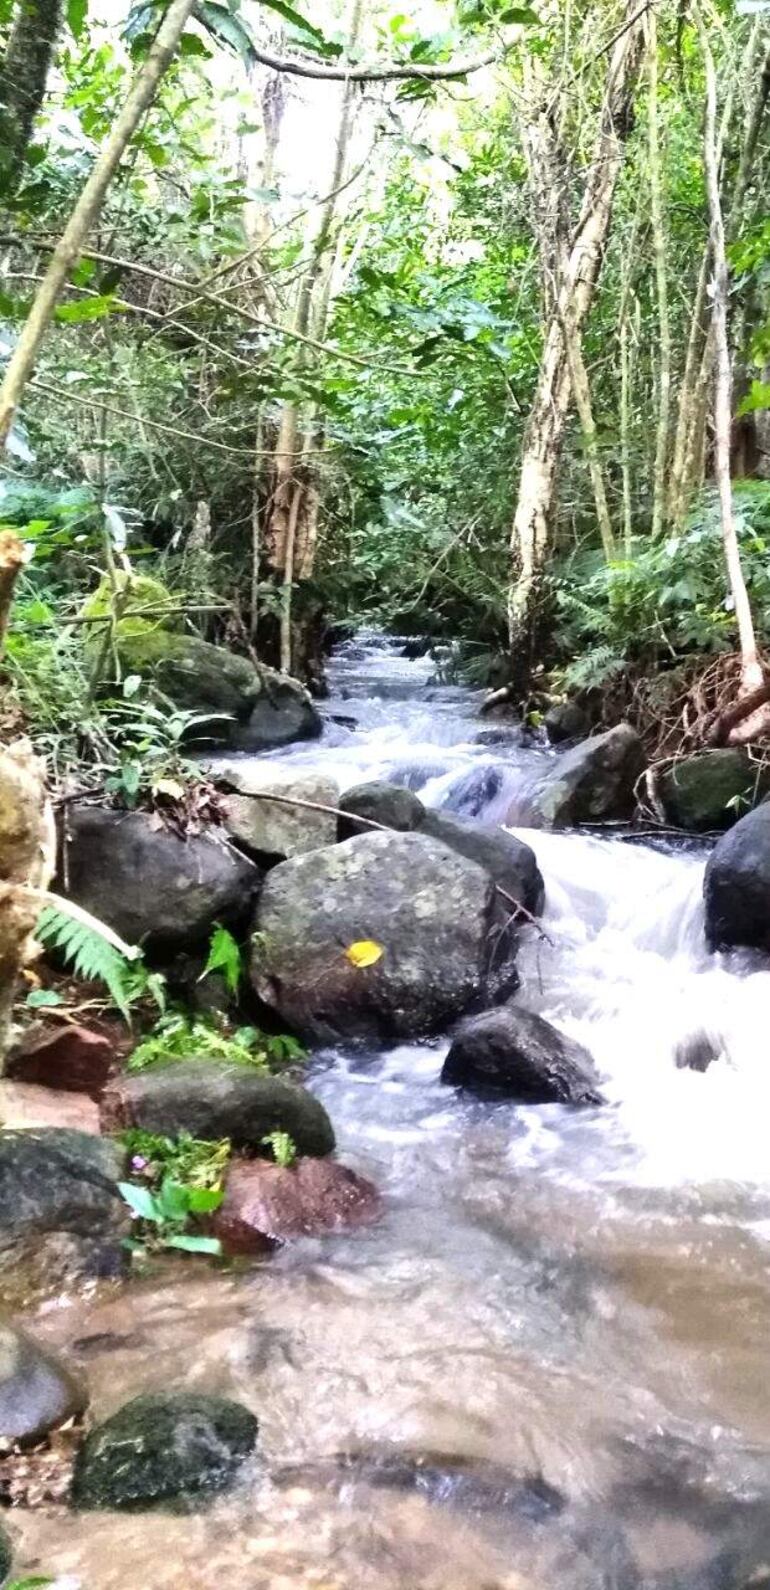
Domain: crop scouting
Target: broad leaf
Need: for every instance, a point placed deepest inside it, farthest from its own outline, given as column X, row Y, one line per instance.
column 201, row 1200
column 196, row 1244
column 141, row 1200
column 365, row 952
column 290, row 15
column 224, row 956
column 89, row 309
column 76, row 16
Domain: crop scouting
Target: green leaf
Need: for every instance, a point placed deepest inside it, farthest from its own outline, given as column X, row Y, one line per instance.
column 201, row 1200
column 758, row 397
column 227, row 29
column 522, row 14
column 141, row 1200
column 196, row 1244
column 89, row 309
column 224, row 956
column 290, row 15
column 76, row 16
column 42, row 999
column 173, row 1200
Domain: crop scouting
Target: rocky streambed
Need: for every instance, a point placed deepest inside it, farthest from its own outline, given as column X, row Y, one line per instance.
column 504, row 1321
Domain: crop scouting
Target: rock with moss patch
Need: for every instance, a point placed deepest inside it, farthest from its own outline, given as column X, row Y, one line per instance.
column 195, row 675
column 148, row 606
column 594, row 782
column 272, row 829
column 712, row 790
column 211, row 1099
column 163, row 1448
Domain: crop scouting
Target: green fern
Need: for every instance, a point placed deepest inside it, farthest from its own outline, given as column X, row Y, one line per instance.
column 87, row 951
column 594, row 668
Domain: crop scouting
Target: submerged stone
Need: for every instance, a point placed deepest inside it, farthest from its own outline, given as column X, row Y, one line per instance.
column 163, row 1448
column 37, row 1392
column 513, row 1052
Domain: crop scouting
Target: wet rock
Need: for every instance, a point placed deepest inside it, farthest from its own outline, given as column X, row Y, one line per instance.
column 565, row 720
column 147, row 883
column 474, row 792
column 514, row 1052
column 265, row 1204
column 163, row 1448
column 430, row 912
column 379, row 802
column 6, row 1555
column 737, row 884
column 592, row 783
column 269, row 829
column 510, row 863
column 191, row 673
column 460, row 1482
column 713, row 789
column 212, row 1100
column 697, row 1051
column 284, row 712
column 60, row 1210
column 503, row 734
column 73, row 1059
column 37, row 1392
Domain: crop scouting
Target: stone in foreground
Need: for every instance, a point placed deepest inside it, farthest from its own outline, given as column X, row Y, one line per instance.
column 212, row 1100
column 737, row 885
column 61, row 1214
column 594, row 782
column 37, row 1392
column 272, row 830
column 68, row 1057
column 163, row 1448
column 150, row 885
column 429, row 912
column 266, row 1204
column 510, row 1051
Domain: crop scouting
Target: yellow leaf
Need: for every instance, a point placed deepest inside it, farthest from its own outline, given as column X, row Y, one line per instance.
column 364, row 953
column 169, row 786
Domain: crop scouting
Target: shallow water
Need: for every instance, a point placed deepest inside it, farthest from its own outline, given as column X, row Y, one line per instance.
column 577, row 1300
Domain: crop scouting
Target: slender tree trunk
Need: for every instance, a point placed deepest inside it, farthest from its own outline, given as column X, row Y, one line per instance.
column 88, row 208
column 23, row 75
column 751, row 670
column 661, row 284
column 533, row 523
column 581, row 390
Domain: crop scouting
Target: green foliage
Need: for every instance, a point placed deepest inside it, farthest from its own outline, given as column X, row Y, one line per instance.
column 282, row 1147
column 198, row 1162
column 175, row 1181
column 90, row 954
column 179, row 1036
column 224, row 956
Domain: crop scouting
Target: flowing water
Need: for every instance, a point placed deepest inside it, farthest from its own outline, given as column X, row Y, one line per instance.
column 546, row 1367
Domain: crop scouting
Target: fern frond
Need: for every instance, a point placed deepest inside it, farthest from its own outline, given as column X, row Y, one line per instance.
column 86, row 948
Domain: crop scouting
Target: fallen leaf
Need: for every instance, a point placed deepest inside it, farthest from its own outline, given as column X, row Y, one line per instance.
column 365, row 952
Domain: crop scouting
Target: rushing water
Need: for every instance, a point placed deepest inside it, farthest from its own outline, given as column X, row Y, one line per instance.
column 546, row 1367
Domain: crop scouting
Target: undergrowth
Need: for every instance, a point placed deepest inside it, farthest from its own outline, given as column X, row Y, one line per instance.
column 179, row 1036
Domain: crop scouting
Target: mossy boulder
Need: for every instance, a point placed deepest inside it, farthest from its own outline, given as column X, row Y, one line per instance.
column 212, row 1099
column 712, row 790
column 195, row 675
column 135, row 591
column 163, row 1448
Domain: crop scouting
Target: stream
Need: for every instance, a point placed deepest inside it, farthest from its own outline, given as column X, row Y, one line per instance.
column 545, row 1368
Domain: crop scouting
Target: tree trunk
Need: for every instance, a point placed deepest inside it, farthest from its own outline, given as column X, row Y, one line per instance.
column 751, row 671
column 661, row 284
column 23, row 75
column 533, row 523
column 26, row 828
column 582, row 393
column 88, row 209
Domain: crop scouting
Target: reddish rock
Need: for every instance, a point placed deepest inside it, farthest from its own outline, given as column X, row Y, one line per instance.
column 70, row 1058
column 265, row 1204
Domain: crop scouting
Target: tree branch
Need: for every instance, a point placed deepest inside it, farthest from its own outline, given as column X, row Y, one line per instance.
column 302, row 66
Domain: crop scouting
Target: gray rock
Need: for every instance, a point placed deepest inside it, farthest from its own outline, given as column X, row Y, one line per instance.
column 147, row 883
column 284, row 712
column 61, row 1214
column 565, row 720
column 163, row 1448
column 37, row 1392
column 591, row 783
column 212, row 1100
column 513, row 1052
column 712, row 790
column 431, row 911
column 510, row 863
column 269, row 828
column 388, row 804
column 192, row 673
column 737, row 884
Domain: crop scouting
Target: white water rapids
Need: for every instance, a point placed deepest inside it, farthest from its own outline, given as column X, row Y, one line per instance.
column 571, row 1299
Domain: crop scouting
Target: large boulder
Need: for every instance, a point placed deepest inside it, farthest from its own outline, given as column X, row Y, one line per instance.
column 508, row 861
column 266, row 1204
column 212, row 1100
column 510, row 1051
column 390, row 805
column 37, row 1392
column 147, row 883
column 283, row 712
column 195, row 675
column 163, row 1448
column 564, row 721
column 737, row 884
column 269, row 829
column 61, row 1213
column 594, row 782
column 713, row 789
column 429, row 912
